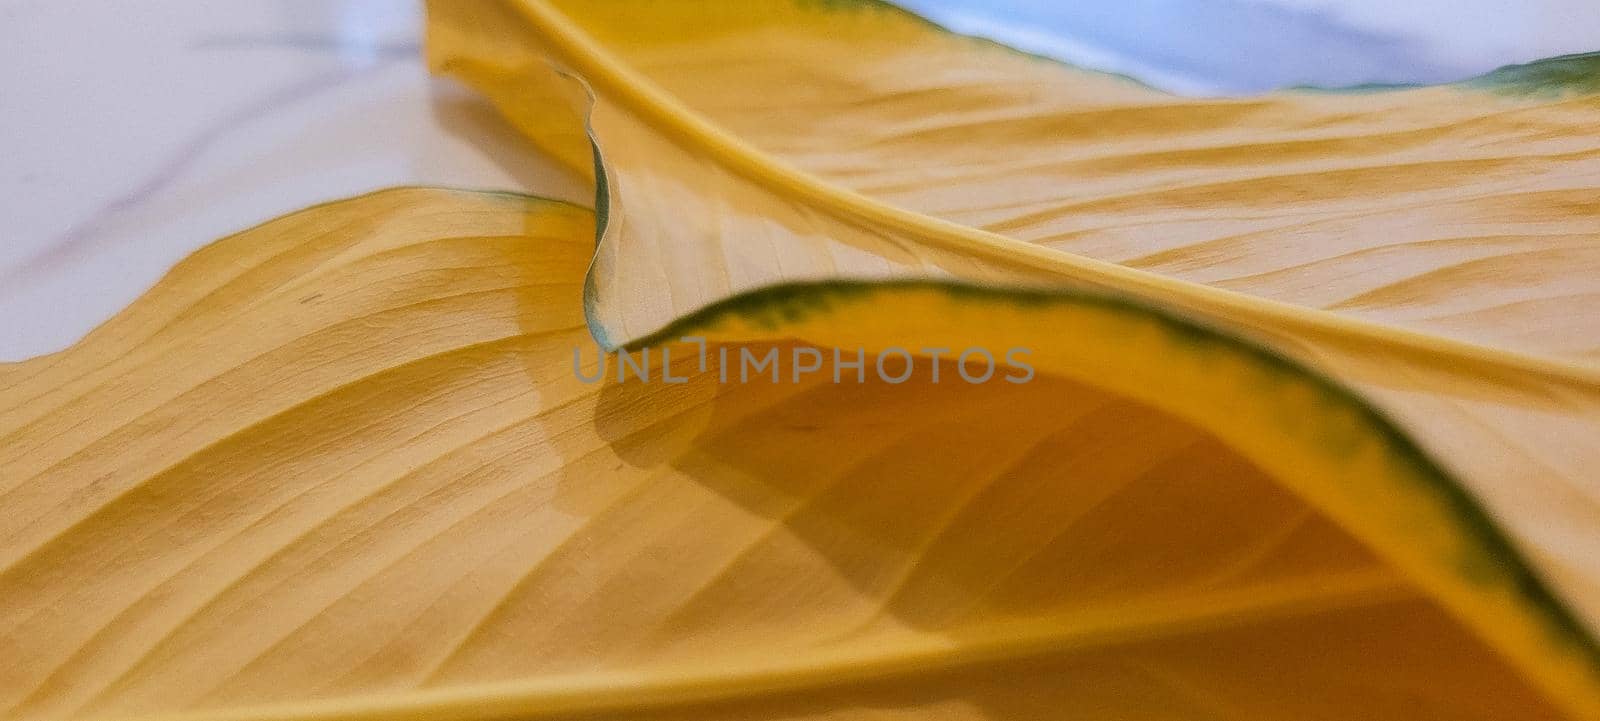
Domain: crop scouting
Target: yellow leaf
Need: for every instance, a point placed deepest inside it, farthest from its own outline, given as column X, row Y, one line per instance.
column 681, row 99
column 1466, row 211
column 341, row 466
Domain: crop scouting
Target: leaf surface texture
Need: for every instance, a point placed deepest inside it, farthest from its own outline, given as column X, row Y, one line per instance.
column 1312, row 435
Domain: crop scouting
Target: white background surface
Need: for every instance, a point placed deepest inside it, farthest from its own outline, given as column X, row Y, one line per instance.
column 133, row 132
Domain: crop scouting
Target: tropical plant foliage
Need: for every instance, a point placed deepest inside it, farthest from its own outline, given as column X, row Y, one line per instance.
column 1310, row 431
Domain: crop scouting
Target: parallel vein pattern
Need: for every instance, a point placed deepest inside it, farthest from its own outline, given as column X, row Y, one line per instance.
column 343, row 458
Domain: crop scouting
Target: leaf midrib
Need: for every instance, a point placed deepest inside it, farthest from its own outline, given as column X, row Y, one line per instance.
column 864, row 660
column 643, row 97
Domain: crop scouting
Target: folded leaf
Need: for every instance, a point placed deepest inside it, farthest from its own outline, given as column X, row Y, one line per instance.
column 342, row 465
column 1465, row 210
column 693, row 211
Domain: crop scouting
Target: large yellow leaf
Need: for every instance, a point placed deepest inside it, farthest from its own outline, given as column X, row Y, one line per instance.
column 341, row 466
column 693, row 211
column 1465, row 211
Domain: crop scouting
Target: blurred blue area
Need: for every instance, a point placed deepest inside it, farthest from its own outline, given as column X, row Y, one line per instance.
column 1202, row 46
